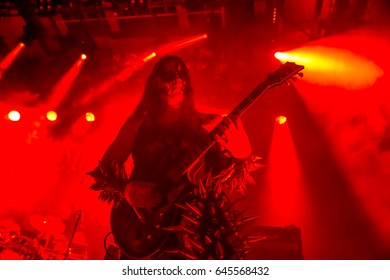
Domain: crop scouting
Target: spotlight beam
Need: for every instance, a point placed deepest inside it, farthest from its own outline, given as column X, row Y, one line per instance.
column 138, row 63
column 180, row 44
column 334, row 66
column 62, row 87
column 10, row 57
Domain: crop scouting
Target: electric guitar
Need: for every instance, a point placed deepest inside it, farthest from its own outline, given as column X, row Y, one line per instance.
column 142, row 233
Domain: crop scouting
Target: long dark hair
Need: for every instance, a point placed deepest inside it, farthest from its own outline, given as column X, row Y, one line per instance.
column 149, row 106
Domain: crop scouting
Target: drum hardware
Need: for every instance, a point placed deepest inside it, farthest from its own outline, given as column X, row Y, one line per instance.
column 47, row 224
column 44, row 242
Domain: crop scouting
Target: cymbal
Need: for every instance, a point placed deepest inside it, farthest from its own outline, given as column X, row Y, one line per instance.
column 47, row 224
column 9, row 230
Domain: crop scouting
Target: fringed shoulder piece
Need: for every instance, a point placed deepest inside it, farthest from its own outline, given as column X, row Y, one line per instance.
column 110, row 181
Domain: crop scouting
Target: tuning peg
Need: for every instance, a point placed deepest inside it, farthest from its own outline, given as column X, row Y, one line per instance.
column 291, row 80
column 300, row 74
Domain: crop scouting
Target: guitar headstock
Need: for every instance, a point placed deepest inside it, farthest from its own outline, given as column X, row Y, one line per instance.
column 288, row 70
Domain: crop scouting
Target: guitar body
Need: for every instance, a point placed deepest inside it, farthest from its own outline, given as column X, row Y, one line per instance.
column 145, row 237
column 138, row 239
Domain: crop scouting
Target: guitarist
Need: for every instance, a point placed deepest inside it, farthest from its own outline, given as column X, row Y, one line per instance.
column 165, row 127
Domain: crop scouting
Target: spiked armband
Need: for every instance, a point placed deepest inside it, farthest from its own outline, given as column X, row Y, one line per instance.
column 110, row 181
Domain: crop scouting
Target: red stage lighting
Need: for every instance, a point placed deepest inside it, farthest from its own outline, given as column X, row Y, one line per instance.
column 14, row 116
column 10, row 57
column 149, row 57
column 51, row 116
column 281, row 56
column 90, row 117
column 281, row 119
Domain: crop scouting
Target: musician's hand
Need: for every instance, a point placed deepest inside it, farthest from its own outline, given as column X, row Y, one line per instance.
column 142, row 194
column 235, row 139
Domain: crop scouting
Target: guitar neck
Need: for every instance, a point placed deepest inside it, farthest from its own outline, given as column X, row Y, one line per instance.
column 240, row 109
column 278, row 77
column 201, row 150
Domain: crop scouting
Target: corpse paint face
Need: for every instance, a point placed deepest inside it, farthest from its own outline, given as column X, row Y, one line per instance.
column 172, row 86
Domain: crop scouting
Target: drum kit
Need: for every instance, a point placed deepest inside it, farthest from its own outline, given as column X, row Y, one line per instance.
column 45, row 240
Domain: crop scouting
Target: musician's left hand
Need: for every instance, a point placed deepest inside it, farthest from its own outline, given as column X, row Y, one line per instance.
column 234, row 138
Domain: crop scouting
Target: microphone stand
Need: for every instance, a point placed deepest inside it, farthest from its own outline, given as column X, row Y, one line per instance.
column 73, row 233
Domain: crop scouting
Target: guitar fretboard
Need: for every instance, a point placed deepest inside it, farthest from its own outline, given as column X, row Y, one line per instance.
column 278, row 77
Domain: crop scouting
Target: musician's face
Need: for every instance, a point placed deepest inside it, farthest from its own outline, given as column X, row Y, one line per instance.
column 172, row 87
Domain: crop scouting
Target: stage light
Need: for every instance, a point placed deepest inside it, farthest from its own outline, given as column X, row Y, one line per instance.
column 330, row 66
column 283, row 159
column 281, row 56
column 10, row 57
column 180, row 44
column 281, row 119
column 149, row 57
column 46, row 7
column 14, row 116
column 292, row 56
column 83, row 56
column 62, row 87
column 51, row 116
column 274, row 15
column 90, row 117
